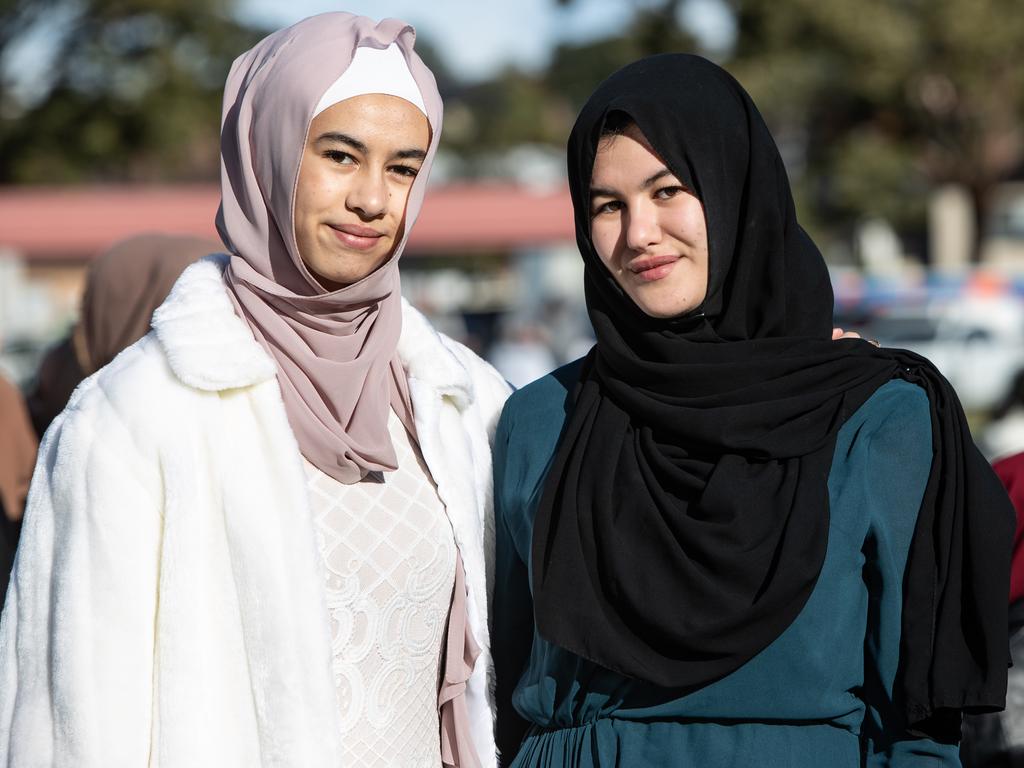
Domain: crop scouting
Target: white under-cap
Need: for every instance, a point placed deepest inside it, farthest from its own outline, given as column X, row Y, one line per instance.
column 374, row 70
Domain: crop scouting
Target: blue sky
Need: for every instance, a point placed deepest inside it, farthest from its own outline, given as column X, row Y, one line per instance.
column 478, row 37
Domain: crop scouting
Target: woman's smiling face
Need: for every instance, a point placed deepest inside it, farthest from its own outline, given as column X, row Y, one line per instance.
column 647, row 227
column 358, row 166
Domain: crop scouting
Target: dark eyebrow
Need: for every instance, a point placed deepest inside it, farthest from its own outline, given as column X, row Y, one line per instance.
column 344, row 139
column 649, row 181
column 656, row 177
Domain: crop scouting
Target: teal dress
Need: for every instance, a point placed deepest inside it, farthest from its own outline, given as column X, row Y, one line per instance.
column 820, row 696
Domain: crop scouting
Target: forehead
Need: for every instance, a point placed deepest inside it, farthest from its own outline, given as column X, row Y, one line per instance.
column 623, row 158
column 377, row 120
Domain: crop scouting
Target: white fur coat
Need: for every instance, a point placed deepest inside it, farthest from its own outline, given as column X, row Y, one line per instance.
column 166, row 607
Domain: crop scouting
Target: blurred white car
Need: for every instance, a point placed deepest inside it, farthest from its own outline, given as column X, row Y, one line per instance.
column 976, row 342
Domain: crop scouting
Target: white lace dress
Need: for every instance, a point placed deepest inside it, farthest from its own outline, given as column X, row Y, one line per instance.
column 390, row 560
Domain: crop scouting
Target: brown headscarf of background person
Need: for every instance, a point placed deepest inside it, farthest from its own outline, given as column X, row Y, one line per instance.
column 56, row 378
column 17, row 458
column 125, row 284
column 17, row 451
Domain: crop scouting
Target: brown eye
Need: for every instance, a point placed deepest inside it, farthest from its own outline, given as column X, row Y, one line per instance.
column 610, row 207
column 406, row 171
column 337, row 156
column 666, row 193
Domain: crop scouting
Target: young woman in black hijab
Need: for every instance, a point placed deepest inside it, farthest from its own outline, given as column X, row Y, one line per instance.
column 722, row 538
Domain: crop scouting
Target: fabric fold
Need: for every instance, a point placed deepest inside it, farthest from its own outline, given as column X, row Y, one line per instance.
column 460, row 653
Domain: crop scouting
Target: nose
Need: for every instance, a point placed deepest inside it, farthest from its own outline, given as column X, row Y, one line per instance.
column 642, row 227
column 368, row 194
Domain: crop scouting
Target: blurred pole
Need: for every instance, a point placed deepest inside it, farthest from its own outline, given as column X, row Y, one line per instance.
column 950, row 228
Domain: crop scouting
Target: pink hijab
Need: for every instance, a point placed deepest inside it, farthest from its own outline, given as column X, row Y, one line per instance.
column 336, row 352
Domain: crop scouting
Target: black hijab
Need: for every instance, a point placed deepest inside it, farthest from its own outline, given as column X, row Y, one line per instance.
column 684, row 520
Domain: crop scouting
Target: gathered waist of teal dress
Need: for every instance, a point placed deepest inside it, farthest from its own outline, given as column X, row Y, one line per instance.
column 613, row 741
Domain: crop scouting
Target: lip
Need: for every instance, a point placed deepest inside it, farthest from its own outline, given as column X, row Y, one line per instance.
column 651, row 268
column 354, row 236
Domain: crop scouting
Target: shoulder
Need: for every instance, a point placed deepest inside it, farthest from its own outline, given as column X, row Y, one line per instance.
column 890, row 433
column 207, row 345
column 198, row 346
column 113, row 425
column 530, row 427
column 449, row 367
column 489, row 387
column 545, row 400
column 134, row 392
column 532, row 421
column 882, row 461
column 898, row 410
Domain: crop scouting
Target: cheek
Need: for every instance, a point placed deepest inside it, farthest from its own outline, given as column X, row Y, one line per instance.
column 305, row 196
column 316, row 191
column 696, row 227
column 398, row 198
column 604, row 235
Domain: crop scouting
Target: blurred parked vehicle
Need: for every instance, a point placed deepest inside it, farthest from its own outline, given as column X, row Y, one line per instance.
column 977, row 342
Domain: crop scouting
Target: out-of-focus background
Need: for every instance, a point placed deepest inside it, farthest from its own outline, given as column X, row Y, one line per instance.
column 901, row 123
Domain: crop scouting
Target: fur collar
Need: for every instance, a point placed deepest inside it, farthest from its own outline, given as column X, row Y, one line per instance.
column 210, row 348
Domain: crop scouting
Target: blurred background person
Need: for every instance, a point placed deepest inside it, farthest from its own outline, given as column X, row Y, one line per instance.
column 1003, row 436
column 123, row 287
column 522, row 353
column 17, row 458
column 997, row 740
column 17, row 450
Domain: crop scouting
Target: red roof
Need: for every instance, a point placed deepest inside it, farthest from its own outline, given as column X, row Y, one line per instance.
column 79, row 222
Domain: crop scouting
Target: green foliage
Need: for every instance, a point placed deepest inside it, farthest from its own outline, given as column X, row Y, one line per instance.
column 517, row 107
column 512, row 109
column 892, row 96
column 136, row 91
column 17, row 15
column 576, row 70
column 136, row 95
column 875, row 177
column 872, row 102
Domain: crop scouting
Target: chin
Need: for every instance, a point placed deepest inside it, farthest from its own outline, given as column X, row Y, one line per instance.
column 346, row 277
column 661, row 313
column 661, row 307
column 331, row 279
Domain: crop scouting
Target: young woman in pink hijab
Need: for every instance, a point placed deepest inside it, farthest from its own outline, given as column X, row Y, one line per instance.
column 257, row 537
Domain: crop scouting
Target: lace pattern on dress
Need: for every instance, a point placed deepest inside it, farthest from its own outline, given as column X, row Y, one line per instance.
column 389, row 555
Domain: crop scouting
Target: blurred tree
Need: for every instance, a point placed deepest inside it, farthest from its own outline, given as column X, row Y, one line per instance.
column 882, row 99
column 655, row 27
column 135, row 94
column 516, row 107
column 576, row 69
column 17, row 16
column 490, row 117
